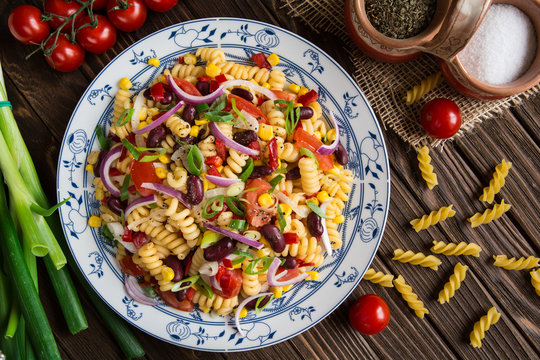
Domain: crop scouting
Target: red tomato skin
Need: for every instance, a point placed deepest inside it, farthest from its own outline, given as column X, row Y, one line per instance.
column 230, row 282
column 25, row 25
column 99, row 4
column 187, row 87
column 97, row 39
column 255, row 215
column 243, row 104
column 369, row 315
column 62, row 8
column 310, row 142
column 282, row 95
column 66, row 56
column 170, row 299
column 441, row 118
column 129, row 19
column 142, row 172
column 161, row 5
column 130, row 268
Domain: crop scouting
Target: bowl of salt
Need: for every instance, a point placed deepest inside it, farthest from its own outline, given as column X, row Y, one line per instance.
column 502, row 58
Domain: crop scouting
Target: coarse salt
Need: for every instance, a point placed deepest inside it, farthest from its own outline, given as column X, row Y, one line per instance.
column 502, row 48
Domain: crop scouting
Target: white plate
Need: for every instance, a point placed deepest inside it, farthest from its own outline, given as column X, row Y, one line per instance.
column 303, row 63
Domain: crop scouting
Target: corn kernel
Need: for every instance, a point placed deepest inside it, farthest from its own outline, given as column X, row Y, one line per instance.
column 220, row 168
column 278, row 292
column 313, row 275
column 164, row 159
column 190, row 59
column 194, row 131
column 151, row 112
column 143, row 114
column 313, row 200
column 207, row 184
column 142, row 124
column 125, row 83
column 331, row 135
column 243, row 313
column 338, row 166
column 294, row 88
column 266, row 132
column 237, row 266
column 317, row 134
column 90, row 168
column 147, row 277
column 322, row 196
column 297, row 105
column 303, row 90
column 265, row 200
column 212, row 70
column 258, row 162
column 201, row 122
column 161, row 173
column 167, row 273
column 286, row 208
column 153, row 62
column 273, row 59
column 100, row 194
column 265, row 85
column 334, row 171
column 279, row 163
column 94, row 221
column 287, row 288
column 266, row 244
column 339, row 219
column 205, row 309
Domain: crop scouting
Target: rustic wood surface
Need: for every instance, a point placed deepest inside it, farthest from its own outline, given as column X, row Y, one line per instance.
column 43, row 101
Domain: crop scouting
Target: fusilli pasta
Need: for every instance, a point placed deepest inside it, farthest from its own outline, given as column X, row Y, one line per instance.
column 515, row 264
column 425, row 86
column 433, row 218
column 408, row 256
column 483, row 325
column 454, row 283
column 410, row 297
column 424, row 163
column 440, row 247
column 497, row 182
column 489, row 214
column 378, row 277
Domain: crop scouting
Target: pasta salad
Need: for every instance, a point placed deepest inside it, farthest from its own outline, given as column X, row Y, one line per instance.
column 221, row 185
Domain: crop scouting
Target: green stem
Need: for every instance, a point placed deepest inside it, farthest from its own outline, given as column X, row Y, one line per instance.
column 13, row 320
column 5, row 301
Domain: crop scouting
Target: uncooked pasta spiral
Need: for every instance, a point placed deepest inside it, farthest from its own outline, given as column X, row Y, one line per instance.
column 309, row 175
column 440, row 247
column 535, row 280
column 178, row 126
column 221, row 305
column 276, row 80
column 424, row 163
column 433, row 218
column 378, row 277
column 208, row 146
column 425, row 86
column 408, row 256
column 410, row 297
column 515, row 264
column 235, row 162
column 182, row 220
column 497, row 182
column 454, row 283
column 211, row 55
column 483, row 325
column 489, row 214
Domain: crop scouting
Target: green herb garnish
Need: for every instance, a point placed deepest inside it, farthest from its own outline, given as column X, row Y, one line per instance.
column 124, row 193
column 201, row 107
column 237, row 224
column 104, row 142
column 195, row 160
column 240, row 115
column 190, row 282
column 106, row 233
column 281, row 219
column 131, row 148
column 316, row 209
column 125, row 117
column 309, row 153
column 248, row 169
column 219, row 104
column 274, row 182
column 252, row 266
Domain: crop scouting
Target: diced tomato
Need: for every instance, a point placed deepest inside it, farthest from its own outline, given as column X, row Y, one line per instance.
column 227, row 263
column 139, row 239
column 255, row 214
column 214, row 160
column 130, row 268
column 142, row 172
column 170, row 299
column 304, row 140
column 127, row 236
column 260, row 60
column 220, row 272
column 291, row 273
column 187, row 86
column 308, row 97
column 213, row 171
column 291, row 238
column 255, row 145
column 158, row 92
column 221, row 78
column 204, row 78
column 221, row 150
column 180, row 59
column 243, row 104
column 260, row 100
column 230, row 282
column 190, row 293
column 282, row 95
column 114, row 172
column 187, row 263
column 301, row 263
column 213, row 86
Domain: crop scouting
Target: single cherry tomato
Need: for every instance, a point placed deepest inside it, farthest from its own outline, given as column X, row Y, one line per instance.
column 441, row 118
column 230, row 282
column 130, row 268
column 126, row 15
column 96, row 36
column 65, row 56
column 99, row 4
column 62, row 8
column 160, row 5
column 142, row 172
column 25, row 25
column 369, row 315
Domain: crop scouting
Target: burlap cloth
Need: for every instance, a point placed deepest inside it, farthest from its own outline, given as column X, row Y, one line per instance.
column 385, row 85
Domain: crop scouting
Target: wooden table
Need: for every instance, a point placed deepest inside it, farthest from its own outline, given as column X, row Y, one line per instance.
column 43, row 101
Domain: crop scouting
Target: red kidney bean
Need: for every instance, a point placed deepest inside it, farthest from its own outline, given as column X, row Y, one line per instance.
column 116, row 205
column 195, row 190
column 290, row 262
column 181, row 295
column 191, row 140
column 293, row 174
column 175, row 264
column 189, row 114
column 251, row 304
column 167, row 98
column 147, row 94
column 306, row 112
column 314, row 224
column 97, row 165
column 203, row 87
column 245, row 137
column 156, row 136
column 113, row 137
column 274, row 237
column 341, row 154
column 260, row 171
column 243, row 93
column 219, row 250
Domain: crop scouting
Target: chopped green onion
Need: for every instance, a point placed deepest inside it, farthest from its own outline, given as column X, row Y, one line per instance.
column 153, row 157
column 309, row 153
column 274, row 182
column 190, row 282
column 106, row 233
column 237, row 224
column 281, row 219
column 124, row 193
column 104, row 142
column 316, row 209
column 131, row 148
column 219, row 104
column 240, row 115
column 292, row 116
column 259, row 300
column 125, row 117
column 209, row 239
column 152, row 206
column 195, row 160
column 232, row 202
column 201, row 107
column 217, row 206
column 47, row 212
column 219, row 116
column 242, row 253
column 204, row 288
column 238, row 260
column 248, row 169
column 266, row 260
column 280, row 171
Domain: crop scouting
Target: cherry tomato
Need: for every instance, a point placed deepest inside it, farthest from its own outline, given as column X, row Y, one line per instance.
column 243, row 104
column 97, row 37
column 170, row 299
column 142, row 172
column 305, row 140
column 65, row 56
column 369, row 315
column 99, row 4
column 187, row 86
column 283, row 95
column 255, row 215
column 441, row 118
column 230, row 282
column 25, row 25
column 291, row 273
column 127, row 17
column 130, row 268
column 160, row 5
column 62, row 8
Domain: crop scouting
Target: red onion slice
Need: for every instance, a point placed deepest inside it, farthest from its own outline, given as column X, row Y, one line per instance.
column 134, row 290
column 251, row 122
column 168, row 191
column 324, row 237
column 104, row 170
column 272, row 278
column 243, row 305
column 221, row 181
column 140, row 202
column 215, row 284
column 137, row 105
column 193, row 99
column 216, row 131
column 257, row 88
column 233, row 235
column 329, row 149
column 160, row 120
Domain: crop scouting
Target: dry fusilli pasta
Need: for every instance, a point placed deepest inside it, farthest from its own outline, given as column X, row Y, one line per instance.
column 410, row 297
column 497, row 182
column 489, row 214
column 425, row 86
column 515, row 264
column 440, row 247
column 408, row 256
column 483, row 325
column 424, row 163
column 378, row 277
column 535, row 280
column 433, row 218
column 454, row 283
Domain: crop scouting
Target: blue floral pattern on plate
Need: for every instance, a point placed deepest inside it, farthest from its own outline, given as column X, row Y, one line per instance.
column 303, row 63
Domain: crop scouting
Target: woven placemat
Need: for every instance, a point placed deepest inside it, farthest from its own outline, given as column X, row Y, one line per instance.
column 385, row 85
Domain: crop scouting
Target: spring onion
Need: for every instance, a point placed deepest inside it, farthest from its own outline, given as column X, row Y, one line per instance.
column 195, row 160
column 238, row 113
column 185, row 283
column 281, row 219
column 125, row 186
column 125, row 117
column 274, row 182
column 236, row 206
column 209, row 239
column 316, row 209
column 247, row 171
column 204, row 288
column 104, row 142
column 266, row 262
column 237, row 224
column 216, row 204
column 309, row 153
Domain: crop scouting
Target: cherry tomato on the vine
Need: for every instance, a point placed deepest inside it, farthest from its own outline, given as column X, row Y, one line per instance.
column 65, row 56
column 62, row 8
column 441, row 118
column 96, row 37
column 160, row 5
column 127, row 15
column 369, row 315
column 25, row 25
column 99, row 4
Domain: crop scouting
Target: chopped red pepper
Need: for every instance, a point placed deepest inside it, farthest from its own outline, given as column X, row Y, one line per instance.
column 214, row 160
column 260, row 100
column 139, row 239
column 187, row 264
column 190, row 293
column 301, row 263
column 291, row 238
column 308, row 97
column 158, row 92
column 260, row 60
column 255, row 146
column 220, row 272
column 221, row 78
column 127, row 235
column 132, row 190
column 114, row 172
column 273, row 160
column 204, row 78
column 227, row 263
column 221, row 150
column 180, row 59
column 213, row 171
column 213, row 86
